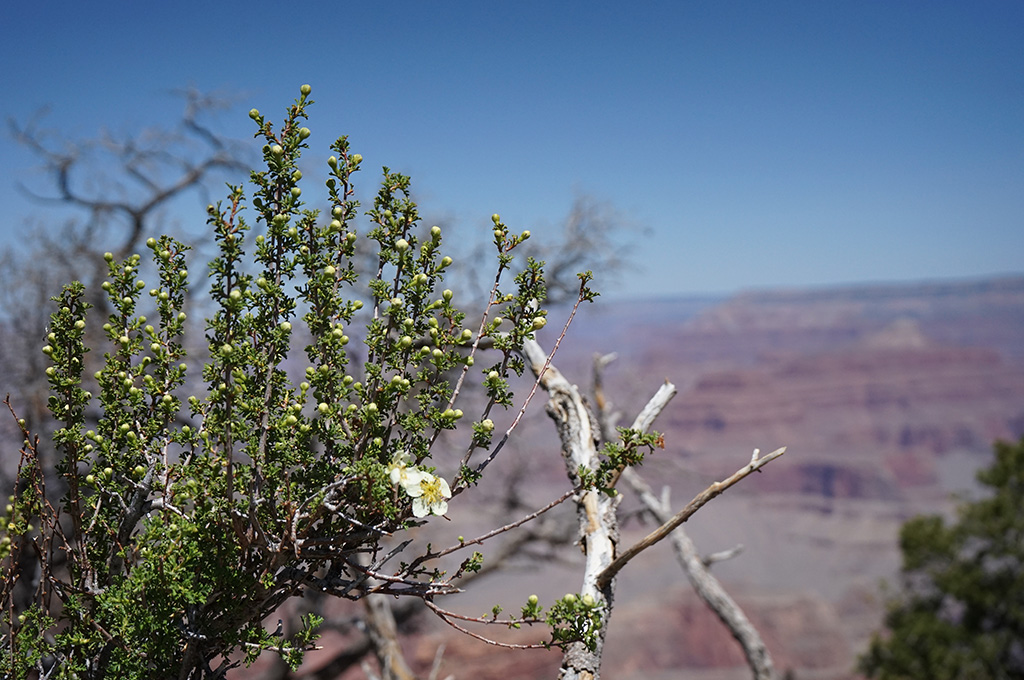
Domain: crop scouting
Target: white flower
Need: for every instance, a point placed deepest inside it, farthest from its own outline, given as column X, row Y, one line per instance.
column 429, row 496
column 402, row 473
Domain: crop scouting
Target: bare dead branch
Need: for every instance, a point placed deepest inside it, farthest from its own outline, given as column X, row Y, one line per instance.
column 383, row 633
column 722, row 555
column 707, row 586
column 595, row 511
column 712, row 491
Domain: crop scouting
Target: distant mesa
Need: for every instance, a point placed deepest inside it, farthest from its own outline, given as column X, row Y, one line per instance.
column 900, row 334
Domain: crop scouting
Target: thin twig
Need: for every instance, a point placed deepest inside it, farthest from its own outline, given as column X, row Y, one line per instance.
column 713, row 490
column 447, row 616
column 508, row 527
column 536, row 383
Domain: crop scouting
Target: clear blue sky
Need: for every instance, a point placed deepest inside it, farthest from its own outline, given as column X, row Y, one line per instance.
column 763, row 143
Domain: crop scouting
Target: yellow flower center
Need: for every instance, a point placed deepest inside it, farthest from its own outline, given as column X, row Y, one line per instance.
column 432, row 493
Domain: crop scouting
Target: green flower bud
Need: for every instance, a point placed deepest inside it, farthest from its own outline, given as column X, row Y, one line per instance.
column 254, row 113
column 297, row 175
column 533, row 600
column 587, row 600
column 285, row 326
column 488, row 425
column 304, row 132
column 335, row 225
column 495, row 218
column 539, row 322
column 446, row 261
column 332, row 161
column 329, row 270
column 435, row 232
column 305, row 89
column 525, row 235
column 356, row 158
column 447, row 295
column 401, row 245
column 323, row 408
column 277, row 150
column 296, row 192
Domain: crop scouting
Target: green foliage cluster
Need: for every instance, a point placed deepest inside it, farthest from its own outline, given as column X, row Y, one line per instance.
column 630, row 451
column 961, row 613
column 183, row 521
column 572, row 618
column 575, row 618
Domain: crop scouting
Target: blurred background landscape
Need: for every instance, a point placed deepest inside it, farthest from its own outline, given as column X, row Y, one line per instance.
column 807, row 216
column 888, row 397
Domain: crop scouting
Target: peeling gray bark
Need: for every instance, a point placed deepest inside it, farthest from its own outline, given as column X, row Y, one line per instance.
column 598, row 523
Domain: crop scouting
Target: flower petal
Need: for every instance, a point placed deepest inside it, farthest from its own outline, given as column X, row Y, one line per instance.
column 420, row 507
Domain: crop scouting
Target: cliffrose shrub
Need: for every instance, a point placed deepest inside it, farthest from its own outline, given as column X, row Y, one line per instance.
column 176, row 523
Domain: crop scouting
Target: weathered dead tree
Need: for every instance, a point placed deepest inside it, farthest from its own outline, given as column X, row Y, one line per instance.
column 580, row 434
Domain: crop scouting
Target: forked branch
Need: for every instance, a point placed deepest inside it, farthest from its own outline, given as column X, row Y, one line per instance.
column 714, row 489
